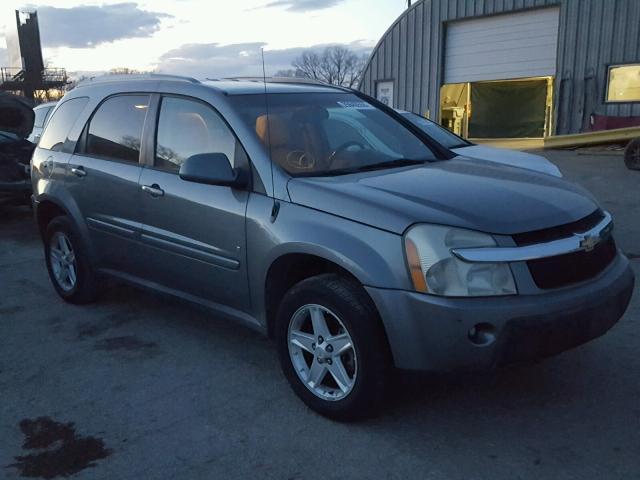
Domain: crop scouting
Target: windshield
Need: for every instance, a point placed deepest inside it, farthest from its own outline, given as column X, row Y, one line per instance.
column 440, row 134
column 329, row 133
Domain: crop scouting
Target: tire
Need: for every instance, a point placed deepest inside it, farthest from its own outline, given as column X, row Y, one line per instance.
column 367, row 364
column 632, row 155
column 84, row 287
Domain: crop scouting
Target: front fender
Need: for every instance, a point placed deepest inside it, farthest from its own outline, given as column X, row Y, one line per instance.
column 375, row 257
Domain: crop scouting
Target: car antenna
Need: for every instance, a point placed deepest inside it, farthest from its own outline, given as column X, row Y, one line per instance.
column 276, row 205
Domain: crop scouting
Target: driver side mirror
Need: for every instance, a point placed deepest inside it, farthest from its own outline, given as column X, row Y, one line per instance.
column 212, row 169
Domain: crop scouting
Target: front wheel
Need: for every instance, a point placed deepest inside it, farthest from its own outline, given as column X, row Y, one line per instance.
column 332, row 347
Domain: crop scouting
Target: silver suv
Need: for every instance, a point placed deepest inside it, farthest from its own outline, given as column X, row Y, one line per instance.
column 324, row 219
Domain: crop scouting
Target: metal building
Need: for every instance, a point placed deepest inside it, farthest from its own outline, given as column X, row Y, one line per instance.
column 513, row 68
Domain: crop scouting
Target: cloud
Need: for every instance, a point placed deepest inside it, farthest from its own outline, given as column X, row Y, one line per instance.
column 212, row 60
column 86, row 26
column 303, row 5
column 209, row 60
column 4, row 57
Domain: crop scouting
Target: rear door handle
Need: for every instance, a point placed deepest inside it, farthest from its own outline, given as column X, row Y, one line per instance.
column 79, row 171
column 153, row 190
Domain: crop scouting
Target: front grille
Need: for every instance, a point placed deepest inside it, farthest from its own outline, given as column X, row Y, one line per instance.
column 564, row 270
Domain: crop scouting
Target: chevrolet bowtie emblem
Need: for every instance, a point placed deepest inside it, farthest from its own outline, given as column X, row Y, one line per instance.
column 589, row 242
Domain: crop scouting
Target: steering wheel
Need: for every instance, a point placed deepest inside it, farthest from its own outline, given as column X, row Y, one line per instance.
column 344, row 146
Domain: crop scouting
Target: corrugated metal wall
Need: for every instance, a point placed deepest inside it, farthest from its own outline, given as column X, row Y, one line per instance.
column 593, row 34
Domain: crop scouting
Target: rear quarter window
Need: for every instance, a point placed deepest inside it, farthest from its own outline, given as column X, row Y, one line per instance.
column 41, row 116
column 61, row 123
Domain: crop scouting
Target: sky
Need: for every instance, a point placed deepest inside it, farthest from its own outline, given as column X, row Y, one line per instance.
column 215, row 38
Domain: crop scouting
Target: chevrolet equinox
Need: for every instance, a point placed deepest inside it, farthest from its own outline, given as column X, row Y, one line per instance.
column 325, row 220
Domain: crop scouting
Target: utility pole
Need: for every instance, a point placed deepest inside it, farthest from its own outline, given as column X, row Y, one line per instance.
column 408, row 3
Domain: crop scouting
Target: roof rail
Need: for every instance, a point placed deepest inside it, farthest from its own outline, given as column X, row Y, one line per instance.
column 301, row 80
column 138, row 76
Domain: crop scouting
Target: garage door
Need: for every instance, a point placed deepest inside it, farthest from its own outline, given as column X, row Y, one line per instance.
column 509, row 46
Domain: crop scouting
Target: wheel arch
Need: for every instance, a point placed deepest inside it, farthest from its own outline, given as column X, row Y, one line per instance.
column 289, row 269
column 48, row 207
column 46, row 211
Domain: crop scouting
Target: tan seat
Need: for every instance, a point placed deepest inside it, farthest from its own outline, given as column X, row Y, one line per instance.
column 273, row 132
column 293, row 146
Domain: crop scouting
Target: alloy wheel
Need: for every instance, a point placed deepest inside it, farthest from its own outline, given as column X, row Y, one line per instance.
column 322, row 352
column 63, row 261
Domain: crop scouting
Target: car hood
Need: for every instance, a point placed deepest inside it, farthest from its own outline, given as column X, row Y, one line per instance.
column 461, row 192
column 509, row 157
column 16, row 115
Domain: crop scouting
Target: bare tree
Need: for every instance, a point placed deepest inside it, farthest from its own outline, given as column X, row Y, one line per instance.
column 337, row 65
column 310, row 64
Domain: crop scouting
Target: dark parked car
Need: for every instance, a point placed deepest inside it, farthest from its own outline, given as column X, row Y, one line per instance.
column 632, row 155
column 16, row 123
column 321, row 218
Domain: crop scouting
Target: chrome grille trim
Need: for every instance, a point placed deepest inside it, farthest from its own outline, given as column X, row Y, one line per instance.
column 579, row 241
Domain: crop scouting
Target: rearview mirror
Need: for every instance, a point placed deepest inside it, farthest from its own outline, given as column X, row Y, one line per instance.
column 212, row 169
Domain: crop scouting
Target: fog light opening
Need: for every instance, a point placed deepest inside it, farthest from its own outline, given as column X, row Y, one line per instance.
column 482, row 334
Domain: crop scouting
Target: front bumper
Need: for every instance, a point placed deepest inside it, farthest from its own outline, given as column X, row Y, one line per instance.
column 432, row 333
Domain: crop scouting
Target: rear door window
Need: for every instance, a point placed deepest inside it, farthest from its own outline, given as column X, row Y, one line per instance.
column 115, row 130
column 63, row 120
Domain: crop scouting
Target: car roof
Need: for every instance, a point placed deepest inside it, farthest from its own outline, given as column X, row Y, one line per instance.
column 226, row 86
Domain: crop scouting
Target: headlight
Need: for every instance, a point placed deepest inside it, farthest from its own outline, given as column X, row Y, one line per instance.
column 434, row 269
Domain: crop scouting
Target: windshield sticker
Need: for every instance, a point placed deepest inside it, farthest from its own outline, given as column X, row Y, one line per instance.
column 356, row 105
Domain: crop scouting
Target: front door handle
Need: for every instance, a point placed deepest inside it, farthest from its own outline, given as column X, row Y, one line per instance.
column 79, row 171
column 153, row 190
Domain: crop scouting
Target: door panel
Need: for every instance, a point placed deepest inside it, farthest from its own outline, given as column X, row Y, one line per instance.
column 194, row 234
column 109, row 199
column 104, row 178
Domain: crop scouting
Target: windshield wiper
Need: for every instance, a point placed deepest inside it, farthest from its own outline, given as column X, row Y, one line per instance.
column 401, row 162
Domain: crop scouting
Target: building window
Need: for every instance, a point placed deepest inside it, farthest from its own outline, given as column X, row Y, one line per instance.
column 624, row 83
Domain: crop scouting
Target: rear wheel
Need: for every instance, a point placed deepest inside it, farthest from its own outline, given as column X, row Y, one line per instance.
column 67, row 265
column 332, row 347
column 632, row 155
